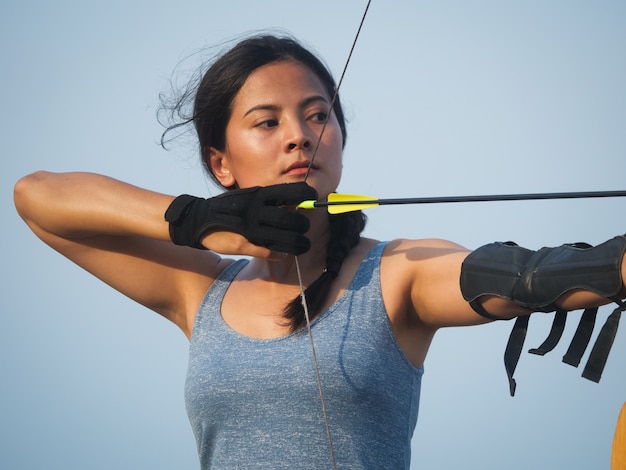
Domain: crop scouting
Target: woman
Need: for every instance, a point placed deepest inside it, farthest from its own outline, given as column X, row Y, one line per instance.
column 251, row 390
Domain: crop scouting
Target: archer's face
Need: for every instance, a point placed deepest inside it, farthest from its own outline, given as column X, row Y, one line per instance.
column 275, row 124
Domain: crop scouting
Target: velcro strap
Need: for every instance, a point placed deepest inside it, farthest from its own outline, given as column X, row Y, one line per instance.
column 558, row 326
column 581, row 338
column 514, row 348
column 176, row 214
column 600, row 351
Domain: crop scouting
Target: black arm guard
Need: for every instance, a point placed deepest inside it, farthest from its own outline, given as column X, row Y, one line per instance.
column 535, row 280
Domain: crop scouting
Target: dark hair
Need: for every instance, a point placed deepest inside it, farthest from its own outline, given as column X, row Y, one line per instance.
column 213, row 93
column 345, row 234
column 219, row 84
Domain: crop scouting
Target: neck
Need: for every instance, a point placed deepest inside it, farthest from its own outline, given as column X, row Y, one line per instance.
column 312, row 263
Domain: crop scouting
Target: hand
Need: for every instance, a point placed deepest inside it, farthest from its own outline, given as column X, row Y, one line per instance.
column 260, row 214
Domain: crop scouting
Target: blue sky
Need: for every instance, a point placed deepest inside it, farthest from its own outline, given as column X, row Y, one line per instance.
column 443, row 98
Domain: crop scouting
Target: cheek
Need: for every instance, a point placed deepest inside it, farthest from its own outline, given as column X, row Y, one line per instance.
column 336, row 150
column 337, row 137
column 247, row 161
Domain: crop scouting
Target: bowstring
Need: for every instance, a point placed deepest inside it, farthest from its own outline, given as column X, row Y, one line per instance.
column 336, row 94
column 302, row 294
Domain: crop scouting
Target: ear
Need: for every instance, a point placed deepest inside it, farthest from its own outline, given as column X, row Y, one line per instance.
column 219, row 164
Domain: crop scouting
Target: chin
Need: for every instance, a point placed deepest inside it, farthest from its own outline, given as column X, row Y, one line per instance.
column 322, row 185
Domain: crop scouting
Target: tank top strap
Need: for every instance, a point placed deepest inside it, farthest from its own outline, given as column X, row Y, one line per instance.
column 369, row 270
column 210, row 307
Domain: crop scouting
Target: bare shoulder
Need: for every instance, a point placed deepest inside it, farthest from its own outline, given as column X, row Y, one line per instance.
column 420, row 279
column 425, row 243
column 420, row 252
column 406, row 260
column 410, row 273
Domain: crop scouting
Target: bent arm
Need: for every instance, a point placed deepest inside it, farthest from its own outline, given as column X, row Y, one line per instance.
column 117, row 232
column 82, row 205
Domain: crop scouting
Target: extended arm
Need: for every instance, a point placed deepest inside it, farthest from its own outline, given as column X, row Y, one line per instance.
column 568, row 277
column 507, row 287
column 539, row 280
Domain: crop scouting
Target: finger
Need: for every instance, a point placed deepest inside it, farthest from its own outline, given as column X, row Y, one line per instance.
column 282, row 219
column 292, row 244
column 282, row 241
column 288, row 193
column 266, row 253
column 231, row 243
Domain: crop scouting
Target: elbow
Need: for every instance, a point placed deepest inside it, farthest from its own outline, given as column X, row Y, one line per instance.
column 25, row 193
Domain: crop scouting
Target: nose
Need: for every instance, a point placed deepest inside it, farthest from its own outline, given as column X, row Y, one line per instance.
column 305, row 144
column 299, row 137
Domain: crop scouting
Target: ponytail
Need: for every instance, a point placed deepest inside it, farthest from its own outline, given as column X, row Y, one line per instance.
column 345, row 234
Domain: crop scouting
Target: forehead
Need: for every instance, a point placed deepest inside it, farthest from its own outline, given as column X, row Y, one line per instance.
column 279, row 81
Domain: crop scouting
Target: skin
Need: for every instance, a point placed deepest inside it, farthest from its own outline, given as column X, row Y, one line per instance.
column 117, row 232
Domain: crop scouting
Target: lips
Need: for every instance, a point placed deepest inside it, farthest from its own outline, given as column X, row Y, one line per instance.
column 300, row 167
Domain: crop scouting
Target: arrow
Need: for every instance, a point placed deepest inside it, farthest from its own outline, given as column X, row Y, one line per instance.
column 340, row 203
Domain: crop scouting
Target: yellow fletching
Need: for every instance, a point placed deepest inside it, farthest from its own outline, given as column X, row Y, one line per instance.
column 337, row 197
column 341, row 203
column 306, row 205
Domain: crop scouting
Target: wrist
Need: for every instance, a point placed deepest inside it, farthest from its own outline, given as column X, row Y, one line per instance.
column 179, row 215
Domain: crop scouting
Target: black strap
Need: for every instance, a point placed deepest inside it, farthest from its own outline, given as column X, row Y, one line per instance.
column 581, row 338
column 599, row 353
column 513, row 349
column 558, row 326
column 602, row 347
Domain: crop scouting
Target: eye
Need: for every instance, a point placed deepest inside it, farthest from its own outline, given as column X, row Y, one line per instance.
column 268, row 123
column 320, row 116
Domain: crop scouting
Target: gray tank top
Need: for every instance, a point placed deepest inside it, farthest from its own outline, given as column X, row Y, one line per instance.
column 254, row 403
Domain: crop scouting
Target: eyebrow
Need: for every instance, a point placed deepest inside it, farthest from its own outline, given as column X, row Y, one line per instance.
column 272, row 107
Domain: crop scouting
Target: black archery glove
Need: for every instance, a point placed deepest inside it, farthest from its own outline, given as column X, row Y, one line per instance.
column 256, row 213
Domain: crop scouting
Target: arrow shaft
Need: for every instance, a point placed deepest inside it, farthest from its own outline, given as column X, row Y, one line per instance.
column 480, row 198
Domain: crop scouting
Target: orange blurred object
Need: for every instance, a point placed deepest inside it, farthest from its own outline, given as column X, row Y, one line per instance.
column 618, row 455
